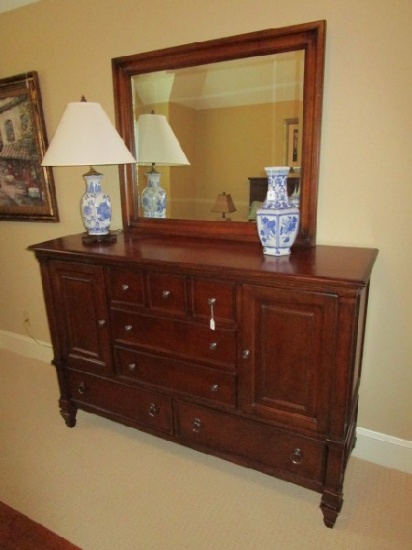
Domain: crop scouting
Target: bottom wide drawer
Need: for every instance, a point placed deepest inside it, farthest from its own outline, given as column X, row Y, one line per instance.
column 253, row 441
column 140, row 406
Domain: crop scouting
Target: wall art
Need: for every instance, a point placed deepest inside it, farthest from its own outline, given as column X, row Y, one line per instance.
column 27, row 191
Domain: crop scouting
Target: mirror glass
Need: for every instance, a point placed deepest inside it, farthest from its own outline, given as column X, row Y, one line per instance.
column 236, row 105
column 232, row 119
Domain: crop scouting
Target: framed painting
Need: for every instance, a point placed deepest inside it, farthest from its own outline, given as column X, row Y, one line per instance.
column 291, row 146
column 27, row 191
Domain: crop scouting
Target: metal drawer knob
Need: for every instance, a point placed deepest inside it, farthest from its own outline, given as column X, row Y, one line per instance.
column 296, row 456
column 81, row 388
column 245, row 353
column 214, row 388
column 153, row 409
column 128, row 328
column 213, row 346
column 165, row 294
column 131, row 367
column 197, row 425
column 101, row 322
column 125, row 288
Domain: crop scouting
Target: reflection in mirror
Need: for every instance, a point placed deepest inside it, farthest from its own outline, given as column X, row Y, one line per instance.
column 217, row 112
column 237, row 105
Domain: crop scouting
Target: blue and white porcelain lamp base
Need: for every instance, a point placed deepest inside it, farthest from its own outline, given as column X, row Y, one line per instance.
column 277, row 219
column 96, row 210
column 154, row 196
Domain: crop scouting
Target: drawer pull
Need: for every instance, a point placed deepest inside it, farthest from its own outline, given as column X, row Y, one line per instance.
column 81, row 388
column 245, row 354
column 296, row 456
column 125, row 288
column 131, row 367
column 214, row 388
column 197, row 425
column 213, row 346
column 101, row 322
column 165, row 294
column 153, row 409
column 212, row 324
column 128, row 328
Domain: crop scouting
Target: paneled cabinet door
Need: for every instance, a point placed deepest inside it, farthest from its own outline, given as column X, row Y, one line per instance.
column 286, row 368
column 82, row 315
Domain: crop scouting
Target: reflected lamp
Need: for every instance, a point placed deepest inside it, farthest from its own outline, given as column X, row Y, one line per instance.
column 156, row 145
column 224, row 205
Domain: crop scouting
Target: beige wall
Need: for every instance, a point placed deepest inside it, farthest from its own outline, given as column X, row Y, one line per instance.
column 365, row 191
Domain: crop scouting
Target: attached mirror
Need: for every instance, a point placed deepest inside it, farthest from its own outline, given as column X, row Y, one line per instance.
column 236, row 105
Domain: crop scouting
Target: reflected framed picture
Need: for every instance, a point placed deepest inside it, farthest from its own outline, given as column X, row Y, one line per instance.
column 291, row 142
column 27, row 191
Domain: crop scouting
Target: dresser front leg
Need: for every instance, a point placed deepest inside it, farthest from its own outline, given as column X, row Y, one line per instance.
column 330, row 505
column 68, row 412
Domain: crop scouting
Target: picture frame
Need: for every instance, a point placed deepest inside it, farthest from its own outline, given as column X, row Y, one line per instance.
column 27, row 190
column 291, row 142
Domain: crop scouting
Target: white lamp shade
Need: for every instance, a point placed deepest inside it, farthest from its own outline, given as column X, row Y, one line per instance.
column 156, row 142
column 85, row 136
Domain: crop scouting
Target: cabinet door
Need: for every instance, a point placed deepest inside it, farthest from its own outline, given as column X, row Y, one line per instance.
column 81, row 315
column 286, row 368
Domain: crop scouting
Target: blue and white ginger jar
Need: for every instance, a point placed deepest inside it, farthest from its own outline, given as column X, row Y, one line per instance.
column 277, row 219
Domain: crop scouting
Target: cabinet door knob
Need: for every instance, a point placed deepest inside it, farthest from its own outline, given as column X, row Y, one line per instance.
column 153, row 409
column 81, row 388
column 165, row 294
column 101, row 322
column 128, row 328
column 125, row 288
column 245, row 354
column 197, row 425
column 214, row 388
column 213, row 346
column 296, row 456
column 131, row 367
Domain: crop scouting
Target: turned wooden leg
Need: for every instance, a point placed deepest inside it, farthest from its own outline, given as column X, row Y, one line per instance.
column 330, row 505
column 68, row 412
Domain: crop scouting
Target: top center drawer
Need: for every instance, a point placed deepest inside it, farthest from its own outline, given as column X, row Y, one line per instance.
column 175, row 294
column 167, row 293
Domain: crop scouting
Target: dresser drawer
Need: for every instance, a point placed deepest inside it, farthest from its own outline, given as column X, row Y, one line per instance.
column 180, row 338
column 138, row 405
column 214, row 298
column 126, row 286
column 215, row 385
column 251, row 440
column 167, row 293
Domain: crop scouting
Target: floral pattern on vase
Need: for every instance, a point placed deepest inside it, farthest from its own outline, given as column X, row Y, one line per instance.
column 154, row 197
column 277, row 219
column 96, row 207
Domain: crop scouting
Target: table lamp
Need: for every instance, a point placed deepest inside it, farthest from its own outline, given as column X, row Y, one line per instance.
column 85, row 136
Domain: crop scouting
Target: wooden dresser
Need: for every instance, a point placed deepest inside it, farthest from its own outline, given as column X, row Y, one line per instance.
column 253, row 359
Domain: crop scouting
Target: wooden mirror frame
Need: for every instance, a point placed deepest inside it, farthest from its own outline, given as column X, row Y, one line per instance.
column 309, row 37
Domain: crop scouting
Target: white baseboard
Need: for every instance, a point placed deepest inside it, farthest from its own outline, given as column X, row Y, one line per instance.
column 383, row 449
column 28, row 347
column 376, row 447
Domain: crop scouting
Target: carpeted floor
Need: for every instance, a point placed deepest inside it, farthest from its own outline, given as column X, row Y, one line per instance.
column 103, row 486
column 18, row 532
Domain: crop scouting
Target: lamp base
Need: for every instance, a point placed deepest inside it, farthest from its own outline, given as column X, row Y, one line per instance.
column 90, row 240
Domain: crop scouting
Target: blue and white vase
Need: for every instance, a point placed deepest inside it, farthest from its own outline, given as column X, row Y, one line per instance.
column 95, row 206
column 277, row 219
column 154, row 197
